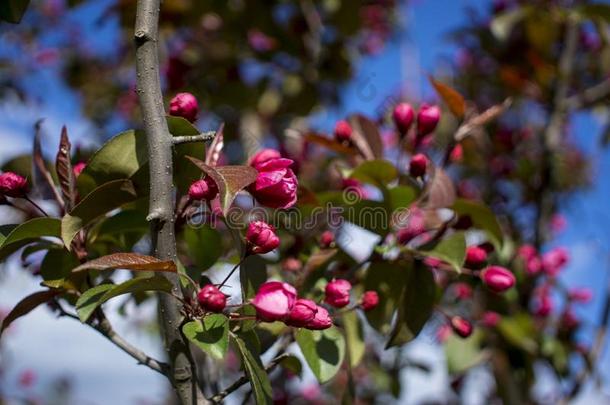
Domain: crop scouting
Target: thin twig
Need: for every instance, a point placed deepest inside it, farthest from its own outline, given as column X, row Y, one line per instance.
column 38, row 207
column 105, row 328
column 244, row 379
column 589, row 96
column 202, row 137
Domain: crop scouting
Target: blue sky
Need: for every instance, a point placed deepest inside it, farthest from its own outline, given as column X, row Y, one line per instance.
column 70, row 348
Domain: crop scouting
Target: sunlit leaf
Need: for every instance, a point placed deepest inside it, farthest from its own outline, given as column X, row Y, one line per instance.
column 91, row 299
column 13, row 237
column 261, row 387
column 482, row 217
column 451, row 249
column 97, row 203
column 354, row 336
column 211, row 334
column 323, row 350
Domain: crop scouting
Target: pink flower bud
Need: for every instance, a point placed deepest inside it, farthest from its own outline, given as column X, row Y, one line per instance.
column 443, row 333
column 428, row 117
column 461, row 326
column 343, row 131
column 403, row 117
column 276, row 184
column 27, row 378
column 569, row 320
column 475, row 257
column 418, row 165
column 463, row 291
column 457, row 153
column 544, row 305
column 415, row 226
column 320, row 321
column 337, row 293
column 302, row 313
column 581, row 295
column 13, row 185
column 78, row 168
column 491, row 319
column 261, row 237
column 533, row 266
column 498, row 278
column 292, row 265
column 184, row 105
column 274, row 301
column 205, row 189
column 211, row 298
column 554, row 261
column 369, row 300
column 327, row 239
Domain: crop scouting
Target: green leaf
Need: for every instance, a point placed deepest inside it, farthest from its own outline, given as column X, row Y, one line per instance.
column 26, row 305
column 203, row 246
column 451, row 249
column 211, row 334
column 482, row 217
column 463, row 354
column 520, row 331
column 13, row 237
column 401, row 197
column 323, row 350
column 119, row 158
column 354, row 337
column 293, row 364
column 97, row 203
column 595, row 11
column 259, row 380
column 252, row 273
column 370, row 215
column 416, row 305
column 12, row 10
column 230, row 180
column 91, row 299
column 376, row 172
column 388, row 279
column 128, row 220
column 179, row 126
column 56, row 266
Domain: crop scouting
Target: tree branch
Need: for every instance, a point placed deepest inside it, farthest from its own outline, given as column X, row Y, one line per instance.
column 182, row 371
column 589, row 96
column 105, row 328
column 202, row 137
column 244, row 379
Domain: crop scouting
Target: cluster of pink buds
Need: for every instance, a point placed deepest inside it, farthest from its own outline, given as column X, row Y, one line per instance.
column 428, row 117
column 277, row 301
column 261, row 238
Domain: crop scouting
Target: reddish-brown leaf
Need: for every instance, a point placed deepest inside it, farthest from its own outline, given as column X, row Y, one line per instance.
column 128, row 261
column 63, row 167
column 26, row 305
column 230, row 180
column 454, row 100
column 366, row 137
column 440, row 191
column 329, row 143
column 213, row 154
column 42, row 181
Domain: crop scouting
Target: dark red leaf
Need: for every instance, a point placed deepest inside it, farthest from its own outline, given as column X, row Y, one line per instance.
column 454, row 100
column 128, row 261
column 440, row 191
column 366, row 137
column 63, row 167
column 26, row 305
column 230, row 180
column 329, row 143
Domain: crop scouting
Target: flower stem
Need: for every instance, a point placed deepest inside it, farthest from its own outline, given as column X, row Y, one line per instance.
column 35, row 205
column 232, row 271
